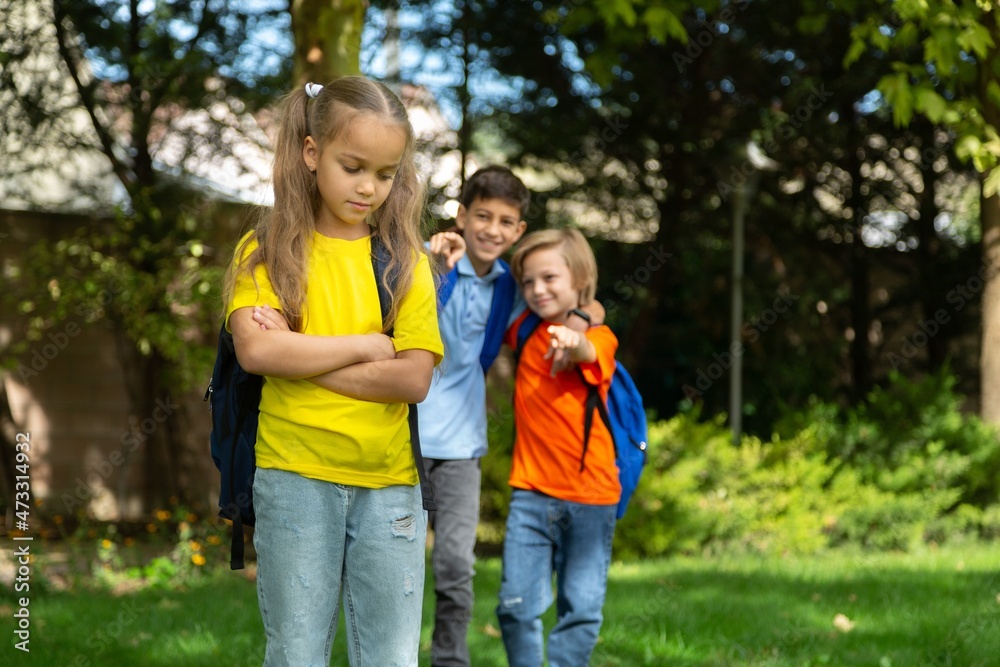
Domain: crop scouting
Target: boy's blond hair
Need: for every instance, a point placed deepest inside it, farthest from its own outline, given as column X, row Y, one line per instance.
column 575, row 250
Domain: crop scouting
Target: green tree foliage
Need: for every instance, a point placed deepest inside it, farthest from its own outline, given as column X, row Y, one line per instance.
column 954, row 81
column 145, row 92
column 863, row 199
column 636, row 137
column 639, row 137
column 623, row 141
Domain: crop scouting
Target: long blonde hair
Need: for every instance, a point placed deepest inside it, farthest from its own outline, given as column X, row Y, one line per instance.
column 574, row 249
column 284, row 233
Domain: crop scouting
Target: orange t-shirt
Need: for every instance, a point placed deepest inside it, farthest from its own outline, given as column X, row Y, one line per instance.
column 549, row 414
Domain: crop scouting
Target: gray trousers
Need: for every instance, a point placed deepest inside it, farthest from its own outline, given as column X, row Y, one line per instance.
column 456, row 493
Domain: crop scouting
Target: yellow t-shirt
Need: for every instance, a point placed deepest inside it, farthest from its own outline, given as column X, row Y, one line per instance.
column 318, row 433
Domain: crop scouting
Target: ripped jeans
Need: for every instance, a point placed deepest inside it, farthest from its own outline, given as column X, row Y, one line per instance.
column 317, row 542
column 545, row 537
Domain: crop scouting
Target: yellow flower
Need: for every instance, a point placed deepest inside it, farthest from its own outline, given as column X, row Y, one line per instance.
column 214, row 539
column 198, row 559
column 162, row 515
column 106, row 544
column 194, row 546
column 150, row 527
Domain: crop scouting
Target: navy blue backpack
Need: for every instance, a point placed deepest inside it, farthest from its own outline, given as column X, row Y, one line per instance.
column 624, row 416
column 504, row 290
column 234, row 401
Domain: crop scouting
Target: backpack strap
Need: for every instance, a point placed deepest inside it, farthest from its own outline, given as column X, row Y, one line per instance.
column 527, row 325
column 504, row 289
column 380, row 265
column 446, row 285
column 524, row 331
column 383, row 278
column 594, row 402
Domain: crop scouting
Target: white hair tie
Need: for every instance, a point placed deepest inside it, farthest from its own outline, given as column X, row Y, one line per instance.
column 313, row 90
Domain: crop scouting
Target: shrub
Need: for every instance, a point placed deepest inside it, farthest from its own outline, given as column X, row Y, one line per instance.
column 907, row 466
column 910, row 437
column 702, row 493
column 881, row 521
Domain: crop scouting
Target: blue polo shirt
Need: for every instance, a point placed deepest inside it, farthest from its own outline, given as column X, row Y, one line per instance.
column 453, row 416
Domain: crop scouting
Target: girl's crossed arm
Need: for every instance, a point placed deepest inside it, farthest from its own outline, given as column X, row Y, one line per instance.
column 265, row 346
column 404, row 379
column 399, row 378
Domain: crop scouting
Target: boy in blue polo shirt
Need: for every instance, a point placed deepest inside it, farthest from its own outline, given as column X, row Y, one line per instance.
column 453, row 416
column 478, row 300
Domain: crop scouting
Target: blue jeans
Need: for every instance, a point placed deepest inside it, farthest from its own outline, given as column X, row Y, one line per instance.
column 456, row 493
column 317, row 542
column 547, row 536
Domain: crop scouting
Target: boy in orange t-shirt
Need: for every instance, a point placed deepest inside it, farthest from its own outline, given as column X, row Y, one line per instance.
column 563, row 506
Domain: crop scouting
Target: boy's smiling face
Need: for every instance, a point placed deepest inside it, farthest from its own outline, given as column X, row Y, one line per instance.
column 548, row 285
column 490, row 228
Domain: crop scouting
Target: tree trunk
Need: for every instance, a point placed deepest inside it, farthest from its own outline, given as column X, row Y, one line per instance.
column 989, row 364
column 327, row 39
column 152, row 416
column 989, row 358
column 189, row 457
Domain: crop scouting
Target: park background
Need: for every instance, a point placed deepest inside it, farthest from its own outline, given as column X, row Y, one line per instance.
column 795, row 211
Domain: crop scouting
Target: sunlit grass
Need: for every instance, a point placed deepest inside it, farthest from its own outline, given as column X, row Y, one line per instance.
column 841, row 608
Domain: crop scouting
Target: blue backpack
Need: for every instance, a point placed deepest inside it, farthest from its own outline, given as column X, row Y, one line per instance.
column 624, row 416
column 504, row 290
column 234, row 401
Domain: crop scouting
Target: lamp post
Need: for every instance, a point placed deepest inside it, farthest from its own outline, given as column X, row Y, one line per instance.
column 753, row 160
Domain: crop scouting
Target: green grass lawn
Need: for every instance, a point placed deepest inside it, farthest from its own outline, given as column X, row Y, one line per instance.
column 933, row 608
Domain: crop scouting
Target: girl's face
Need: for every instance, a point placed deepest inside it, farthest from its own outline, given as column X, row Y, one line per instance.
column 548, row 285
column 354, row 174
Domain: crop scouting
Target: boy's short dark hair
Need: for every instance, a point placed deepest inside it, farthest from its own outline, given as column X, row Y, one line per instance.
column 496, row 182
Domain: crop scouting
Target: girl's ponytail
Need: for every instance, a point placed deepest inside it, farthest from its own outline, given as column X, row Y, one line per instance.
column 284, row 231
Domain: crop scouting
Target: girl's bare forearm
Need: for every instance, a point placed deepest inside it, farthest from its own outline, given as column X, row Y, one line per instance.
column 405, row 379
column 286, row 354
